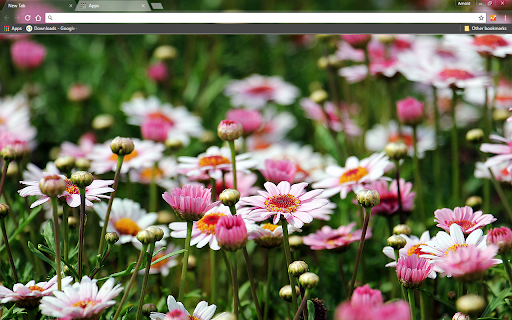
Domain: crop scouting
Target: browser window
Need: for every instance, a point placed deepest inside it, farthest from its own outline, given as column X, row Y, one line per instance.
column 269, row 160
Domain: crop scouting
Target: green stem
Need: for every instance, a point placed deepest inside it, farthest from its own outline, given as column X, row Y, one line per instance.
column 401, row 214
column 506, row 263
column 288, row 255
column 4, row 174
column 9, row 253
column 234, row 277
column 367, row 214
column 404, row 292
column 342, row 273
column 214, row 189
column 455, row 153
column 270, row 256
column 81, row 232
column 417, row 176
column 145, row 280
column 460, row 289
column 302, row 305
column 437, row 154
column 110, row 201
column 56, row 238
column 132, row 281
column 153, row 190
column 213, row 276
column 185, row 261
column 65, row 216
column 412, row 304
column 253, row 285
column 423, row 306
column 233, row 162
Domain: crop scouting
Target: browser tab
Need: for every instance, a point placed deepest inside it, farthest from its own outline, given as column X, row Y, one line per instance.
column 103, row 6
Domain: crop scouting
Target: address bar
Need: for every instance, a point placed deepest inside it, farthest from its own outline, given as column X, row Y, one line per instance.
column 265, row 17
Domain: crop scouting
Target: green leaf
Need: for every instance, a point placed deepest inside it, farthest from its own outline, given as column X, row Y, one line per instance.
column 44, row 248
column 48, row 235
column 438, row 299
column 128, row 270
column 13, row 313
column 311, row 310
column 496, row 302
column 23, row 225
column 167, row 256
column 40, row 255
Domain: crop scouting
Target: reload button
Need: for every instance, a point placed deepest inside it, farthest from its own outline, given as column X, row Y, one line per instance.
column 464, row 3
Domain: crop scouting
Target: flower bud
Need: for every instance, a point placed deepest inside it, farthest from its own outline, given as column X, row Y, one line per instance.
column 410, row 111
column 165, row 217
column 207, row 136
column 402, row 229
column 4, row 210
column 309, row 280
column 474, row 202
column 231, row 233
column 385, row 38
column 52, row 185
column 229, row 130
column 452, row 295
column 229, row 197
column 82, row 179
column 470, row 304
column 79, row 92
column 318, row 96
column 173, row 144
column 148, row 308
column 122, row 146
column 297, row 268
column 12, row 170
column 102, row 122
column 65, row 163
column 158, row 72
column 73, row 222
column 460, row 316
column 192, row 262
column 8, row 154
column 500, row 115
column 225, row 316
column 322, row 63
column 295, row 241
column 368, row 198
column 358, row 41
column 286, row 292
column 475, row 136
column 112, row 237
column 396, row 242
column 83, row 164
column 165, row 52
column 157, row 232
column 145, row 237
column 396, row 150
column 500, row 237
column 21, row 149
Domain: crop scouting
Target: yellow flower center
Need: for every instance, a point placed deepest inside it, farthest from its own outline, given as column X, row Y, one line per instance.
column 415, row 250
column 147, row 173
column 207, row 223
column 36, row 288
column 405, row 138
column 127, row 226
column 282, row 203
column 353, row 175
column 193, row 318
column 161, row 117
column 213, row 161
column 332, row 240
column 270, row 226
column 83, row 304
column 71, row 188
column 464, row 224
column 127, row 157
column 454, row 248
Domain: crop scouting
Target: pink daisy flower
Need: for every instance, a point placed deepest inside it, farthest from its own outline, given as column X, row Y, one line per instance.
column 367, row 304
column 178, row 121
column 251, row 120
column 203, row 230
column 468, row 220
column 94, row 192
column 27, row 54
column 280, row 170
column 81, row 300
column 443, row 243
column 469, row 263
column 167, row 168
column 256, row 91
column 330, row 117
column 127, row 218
column 355, row 173
column 15, row 118
column 276, row 126
column 486, row 45
column 503, row 152
column 500, row 237
column 201, row 312
column 231, row 232
column 145, row 154
column 500, row 171
column 292, row 202
column 215, row 161
column 412, row 270
column 389, row 196
column 29, row 295
column 85, row 146
column 267, row 235
column 340, row 238
column 190, row 202
column 346, row 52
